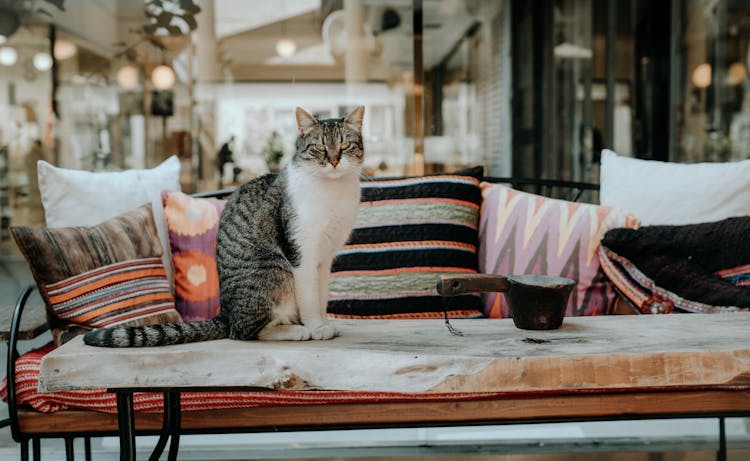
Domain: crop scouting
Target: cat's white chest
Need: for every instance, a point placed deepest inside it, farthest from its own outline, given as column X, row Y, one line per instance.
column 325, row 213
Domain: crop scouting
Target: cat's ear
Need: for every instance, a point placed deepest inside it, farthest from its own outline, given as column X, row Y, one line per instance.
column 354, row 119
column 305, row 121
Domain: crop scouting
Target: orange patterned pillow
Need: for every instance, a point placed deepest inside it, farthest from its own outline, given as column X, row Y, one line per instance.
column 192, row 224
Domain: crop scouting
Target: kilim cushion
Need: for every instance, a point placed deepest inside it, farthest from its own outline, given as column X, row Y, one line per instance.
column 27, row 380
column 408, row 232
column 522, row 233
column 701, row 268
column 108, row 274
column 192, row 224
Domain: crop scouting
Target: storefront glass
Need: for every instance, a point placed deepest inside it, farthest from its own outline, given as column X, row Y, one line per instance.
column 525, row 88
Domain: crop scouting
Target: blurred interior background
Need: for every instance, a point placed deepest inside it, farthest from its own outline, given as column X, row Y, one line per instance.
column 526, row 88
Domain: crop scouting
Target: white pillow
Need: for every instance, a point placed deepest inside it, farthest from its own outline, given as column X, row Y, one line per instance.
column 82, row 198
column 675, row 193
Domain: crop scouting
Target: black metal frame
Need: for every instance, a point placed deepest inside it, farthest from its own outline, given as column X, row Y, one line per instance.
column 172, row 410
column 172, row 402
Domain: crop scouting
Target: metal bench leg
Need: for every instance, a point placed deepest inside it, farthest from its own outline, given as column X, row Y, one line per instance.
column 69, row 452
column 87, row 447
column 24, row 450
column 166, row 428
column 175, row 409
column 721, row 455
column 36, row 449
column 126, row 425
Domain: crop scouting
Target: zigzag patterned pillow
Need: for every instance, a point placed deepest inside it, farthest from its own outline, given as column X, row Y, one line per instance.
column 522, row 233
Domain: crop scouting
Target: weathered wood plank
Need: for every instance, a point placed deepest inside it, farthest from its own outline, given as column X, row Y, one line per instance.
column 614, row 352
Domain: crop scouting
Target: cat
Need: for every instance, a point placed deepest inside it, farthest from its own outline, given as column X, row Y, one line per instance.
column 276, row 242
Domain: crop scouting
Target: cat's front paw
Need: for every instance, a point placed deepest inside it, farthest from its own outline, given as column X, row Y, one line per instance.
column 323, row 331
column 284, row 333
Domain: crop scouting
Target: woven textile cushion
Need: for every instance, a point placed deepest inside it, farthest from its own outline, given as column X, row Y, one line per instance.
column 92, row 277
column 27, row 380
column 192, row 224
column 409, row 231
column 83, row 198
column 522, row 233
column 692, row 268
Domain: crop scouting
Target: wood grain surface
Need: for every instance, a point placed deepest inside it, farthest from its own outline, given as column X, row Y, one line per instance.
column 613, row 352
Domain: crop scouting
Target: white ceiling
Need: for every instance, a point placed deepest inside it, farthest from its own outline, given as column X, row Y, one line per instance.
column 236, row 16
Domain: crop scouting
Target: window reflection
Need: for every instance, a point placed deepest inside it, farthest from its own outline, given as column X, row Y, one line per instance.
column 532, row 89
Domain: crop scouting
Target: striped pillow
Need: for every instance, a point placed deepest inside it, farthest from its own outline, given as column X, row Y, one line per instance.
column 409, row 231
column 92, row 277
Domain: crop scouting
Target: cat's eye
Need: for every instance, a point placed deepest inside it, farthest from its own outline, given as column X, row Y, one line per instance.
column 345, row 145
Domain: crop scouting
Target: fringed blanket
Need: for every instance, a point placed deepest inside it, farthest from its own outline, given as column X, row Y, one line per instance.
column 692, row 268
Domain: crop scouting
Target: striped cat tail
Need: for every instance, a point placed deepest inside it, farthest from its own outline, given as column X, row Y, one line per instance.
column 159, row 335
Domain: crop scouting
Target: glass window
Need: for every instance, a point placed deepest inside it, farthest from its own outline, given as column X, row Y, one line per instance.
column 530, row 89
column 654, row 80
column 711, row 120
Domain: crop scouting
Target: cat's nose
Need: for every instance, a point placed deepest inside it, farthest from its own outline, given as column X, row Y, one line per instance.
column 333, row 161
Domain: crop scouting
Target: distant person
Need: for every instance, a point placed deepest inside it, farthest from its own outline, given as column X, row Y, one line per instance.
column 225, row 157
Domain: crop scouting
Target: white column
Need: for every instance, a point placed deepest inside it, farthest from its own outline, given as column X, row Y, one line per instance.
column 355, row 56
column 207, row 77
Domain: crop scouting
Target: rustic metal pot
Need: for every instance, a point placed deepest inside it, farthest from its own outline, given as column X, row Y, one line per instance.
column 538, row 302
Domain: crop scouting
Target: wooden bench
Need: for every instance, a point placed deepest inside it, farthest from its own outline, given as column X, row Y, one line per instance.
column 593, row 368
column 712, row 398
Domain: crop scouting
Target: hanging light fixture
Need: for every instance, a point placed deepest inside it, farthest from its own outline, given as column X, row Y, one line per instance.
column 736, row 73
column 163, row 77
column 127, row 77
column 8, row 56
column 285, row 47
column 42, row 61
column 64, row 49
column 702, row 76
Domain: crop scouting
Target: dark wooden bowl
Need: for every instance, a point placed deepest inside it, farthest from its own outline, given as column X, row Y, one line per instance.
column 538, row 302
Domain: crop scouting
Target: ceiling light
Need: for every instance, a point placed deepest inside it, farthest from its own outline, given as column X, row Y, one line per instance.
column 64, row 49
column 702, row 76
column 285, row 47
column 567, row 50
column 127, row 77
column 163, row 77
column 42, row 61
column 8, row 56
column 736, row 73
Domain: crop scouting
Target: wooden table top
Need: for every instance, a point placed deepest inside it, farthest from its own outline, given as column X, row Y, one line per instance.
column 421, row 356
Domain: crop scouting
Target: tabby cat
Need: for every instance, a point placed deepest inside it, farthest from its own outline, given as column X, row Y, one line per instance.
column 277, row 238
